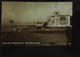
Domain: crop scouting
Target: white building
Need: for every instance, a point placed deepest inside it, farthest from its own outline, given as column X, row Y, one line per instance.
column 59, row 20
column 39, row 24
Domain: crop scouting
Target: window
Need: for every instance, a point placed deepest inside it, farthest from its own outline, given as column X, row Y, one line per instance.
column 63, row 20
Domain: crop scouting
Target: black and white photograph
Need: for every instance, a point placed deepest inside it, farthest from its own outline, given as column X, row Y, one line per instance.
column 36, row 23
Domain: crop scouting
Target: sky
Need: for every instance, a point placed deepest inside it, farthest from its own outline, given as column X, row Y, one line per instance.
column 27, row 13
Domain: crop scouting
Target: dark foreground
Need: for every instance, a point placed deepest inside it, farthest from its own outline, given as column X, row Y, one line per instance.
column 52, row 44
column 43, row 38
column 27, row 51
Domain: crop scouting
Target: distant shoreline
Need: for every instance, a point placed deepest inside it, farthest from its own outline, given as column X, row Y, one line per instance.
column 16, row 25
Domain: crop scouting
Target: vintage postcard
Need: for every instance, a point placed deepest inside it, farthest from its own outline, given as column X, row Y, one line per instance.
column 36, row 23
